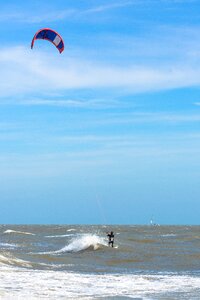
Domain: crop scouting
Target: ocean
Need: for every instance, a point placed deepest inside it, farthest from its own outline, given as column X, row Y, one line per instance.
column 75, row 262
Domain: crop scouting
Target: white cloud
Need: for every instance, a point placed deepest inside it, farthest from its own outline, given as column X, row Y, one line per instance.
column 153, row 117
column 23, row 71
column 82, row 103
column 16, row 14
column 30, row 17
column 103, row 8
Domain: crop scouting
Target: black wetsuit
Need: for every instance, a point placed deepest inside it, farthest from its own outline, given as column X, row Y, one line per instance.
column 110, row 239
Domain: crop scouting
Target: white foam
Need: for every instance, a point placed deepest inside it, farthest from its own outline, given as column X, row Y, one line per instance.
column 81, row 243
column 168, row 235
column 10, row 260
column 18, row 232
column 7, row 245
column 84, row 242
column 32, row 284
column 59, row 236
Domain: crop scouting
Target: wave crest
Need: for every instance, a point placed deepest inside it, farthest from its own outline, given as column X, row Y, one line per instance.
column 18, row 232
column 7, row 259
column 83, row 242
column 59, row 235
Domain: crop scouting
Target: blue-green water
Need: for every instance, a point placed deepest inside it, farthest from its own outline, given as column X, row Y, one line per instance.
column 74, row 262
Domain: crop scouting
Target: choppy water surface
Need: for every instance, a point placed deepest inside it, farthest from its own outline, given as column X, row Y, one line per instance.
column 74, row 262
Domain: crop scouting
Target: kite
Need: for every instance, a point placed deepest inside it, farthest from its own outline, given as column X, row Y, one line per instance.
column 51, row 36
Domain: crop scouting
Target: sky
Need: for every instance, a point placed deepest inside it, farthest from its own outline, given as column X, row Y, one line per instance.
column 108, row 132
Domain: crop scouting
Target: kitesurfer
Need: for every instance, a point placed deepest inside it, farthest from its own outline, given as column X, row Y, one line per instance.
column 110, row 236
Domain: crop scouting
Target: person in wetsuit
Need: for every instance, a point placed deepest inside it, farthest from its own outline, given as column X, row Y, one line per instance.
column 110, row 239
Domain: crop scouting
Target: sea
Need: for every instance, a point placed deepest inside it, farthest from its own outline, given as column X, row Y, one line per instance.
column 75, row 262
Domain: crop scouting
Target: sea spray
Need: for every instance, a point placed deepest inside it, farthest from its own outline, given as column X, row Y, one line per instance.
column 81, row 243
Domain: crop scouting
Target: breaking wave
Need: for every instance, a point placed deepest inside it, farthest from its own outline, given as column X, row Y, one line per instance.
column 85, row 242
column 82, row 243
column 59, row 236
column 18, row 232
column 13, row 261
column 7, row 246
column 168, row 235
column 70, row 285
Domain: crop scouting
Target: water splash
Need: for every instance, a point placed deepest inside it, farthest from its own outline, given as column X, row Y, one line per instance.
column 81, row 243
column 84, row 242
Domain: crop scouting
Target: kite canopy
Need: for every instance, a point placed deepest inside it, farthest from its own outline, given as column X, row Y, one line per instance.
column 49, row 35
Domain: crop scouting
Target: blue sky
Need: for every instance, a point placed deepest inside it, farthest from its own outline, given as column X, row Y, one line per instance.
column 109, row 130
